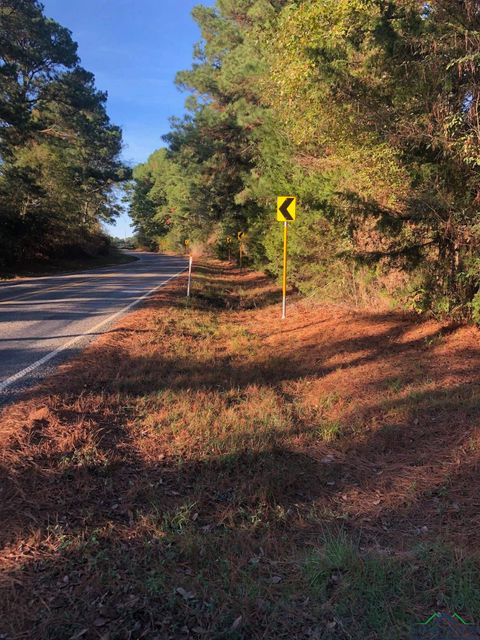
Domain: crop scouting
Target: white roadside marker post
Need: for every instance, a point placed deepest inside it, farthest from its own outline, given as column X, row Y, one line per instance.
column 190, row 262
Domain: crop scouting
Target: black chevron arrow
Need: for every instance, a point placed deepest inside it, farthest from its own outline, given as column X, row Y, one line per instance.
column 284, row 209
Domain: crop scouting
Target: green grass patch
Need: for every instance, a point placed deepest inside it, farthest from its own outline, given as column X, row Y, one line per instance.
column 374, row 595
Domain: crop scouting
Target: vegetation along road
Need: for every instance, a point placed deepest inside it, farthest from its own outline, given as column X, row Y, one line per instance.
column 206, row 471
column 46, row 318
column 291, row 452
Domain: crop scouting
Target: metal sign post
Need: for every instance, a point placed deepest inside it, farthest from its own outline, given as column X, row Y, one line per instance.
column 241, row 239
column 285, row 243
column 229, row 245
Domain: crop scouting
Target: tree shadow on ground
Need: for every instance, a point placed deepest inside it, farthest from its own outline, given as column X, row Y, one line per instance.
column 103, row 534
column 101, row 540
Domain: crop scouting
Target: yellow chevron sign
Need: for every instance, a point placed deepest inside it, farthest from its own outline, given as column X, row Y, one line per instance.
column 286, row 209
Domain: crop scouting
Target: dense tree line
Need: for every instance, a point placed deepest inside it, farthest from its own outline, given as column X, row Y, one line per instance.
column 368, row 110
column 59, row 153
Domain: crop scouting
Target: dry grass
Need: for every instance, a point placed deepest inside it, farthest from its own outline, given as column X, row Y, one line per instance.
column 205, row 471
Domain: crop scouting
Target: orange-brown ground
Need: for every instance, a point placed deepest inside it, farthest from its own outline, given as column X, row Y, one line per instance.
column 181, row 477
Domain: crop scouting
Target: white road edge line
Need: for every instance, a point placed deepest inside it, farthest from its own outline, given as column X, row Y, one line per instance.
column 21, row 374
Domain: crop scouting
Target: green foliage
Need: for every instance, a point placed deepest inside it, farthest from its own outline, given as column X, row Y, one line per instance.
column 475, row 304
column 59, row 153
column 368, row 112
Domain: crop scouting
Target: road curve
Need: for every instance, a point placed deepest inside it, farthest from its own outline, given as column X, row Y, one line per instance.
column 44, row 320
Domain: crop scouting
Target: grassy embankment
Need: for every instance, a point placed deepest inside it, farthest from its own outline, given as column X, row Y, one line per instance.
column 204, row 471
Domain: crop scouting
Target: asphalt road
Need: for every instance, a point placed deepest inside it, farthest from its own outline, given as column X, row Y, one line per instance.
column 45, row 320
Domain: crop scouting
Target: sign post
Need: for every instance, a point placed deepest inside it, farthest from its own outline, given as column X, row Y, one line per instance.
column 229, row 245
column 284, row 287
column 241, row 237
column 286, row 212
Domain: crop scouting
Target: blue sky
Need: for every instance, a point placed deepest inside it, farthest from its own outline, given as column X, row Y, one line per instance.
column 134, row 48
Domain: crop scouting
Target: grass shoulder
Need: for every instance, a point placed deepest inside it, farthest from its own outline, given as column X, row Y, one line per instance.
column 211, row 471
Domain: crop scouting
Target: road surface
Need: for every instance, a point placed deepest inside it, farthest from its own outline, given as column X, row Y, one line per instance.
column 45, row 320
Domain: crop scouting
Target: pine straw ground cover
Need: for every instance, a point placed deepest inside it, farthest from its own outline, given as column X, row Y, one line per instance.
column 207, row 471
